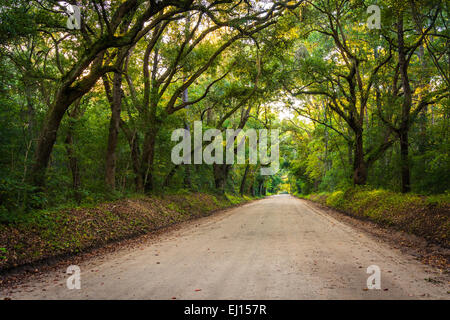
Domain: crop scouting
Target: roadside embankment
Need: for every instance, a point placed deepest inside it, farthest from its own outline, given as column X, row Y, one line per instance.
column 47, row 234
column 424, row 216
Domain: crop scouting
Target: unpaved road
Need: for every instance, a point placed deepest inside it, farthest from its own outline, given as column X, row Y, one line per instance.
column 276, row 248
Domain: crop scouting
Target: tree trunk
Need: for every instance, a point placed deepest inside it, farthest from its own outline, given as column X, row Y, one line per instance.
column 220, row 176
column 260, row 187
column 187, row 167
column 148, row 155
column 404, row 156
column 406, row 108
column 73, row 160
column 359, row 165
column 350, row 152
column 133, row 142
column 244, row 177
column 114, row 124
column 47, row 139
column 169, row 176
column 136, row 164
column 252, row 189
column 187, row 172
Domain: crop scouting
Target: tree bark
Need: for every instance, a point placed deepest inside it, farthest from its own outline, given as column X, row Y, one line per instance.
column 404, row 156
column 47, row 139
column 64, row 97
column 187, row 172
column 220, row 176
column 133, row 142
column 114, row 125
column 148, row 156
column 244, row 177
column 359, row 164
column 73, row 160
column 406, row 108
column 136, row 164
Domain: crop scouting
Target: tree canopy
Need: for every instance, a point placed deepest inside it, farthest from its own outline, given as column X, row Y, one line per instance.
column 88, row 109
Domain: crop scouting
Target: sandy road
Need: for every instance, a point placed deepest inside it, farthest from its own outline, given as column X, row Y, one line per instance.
column 276, row 248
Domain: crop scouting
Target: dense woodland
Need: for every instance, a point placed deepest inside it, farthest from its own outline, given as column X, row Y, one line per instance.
column 87, row 114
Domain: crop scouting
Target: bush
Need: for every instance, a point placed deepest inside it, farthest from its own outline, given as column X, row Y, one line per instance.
column 17, row 197
column 336, row 199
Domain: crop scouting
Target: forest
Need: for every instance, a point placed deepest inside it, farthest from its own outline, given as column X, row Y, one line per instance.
column 91, row 92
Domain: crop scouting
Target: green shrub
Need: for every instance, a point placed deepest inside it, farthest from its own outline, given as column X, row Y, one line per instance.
column 17, row 197
column 336, row 199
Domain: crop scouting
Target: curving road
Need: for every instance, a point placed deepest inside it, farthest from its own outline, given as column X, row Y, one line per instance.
column 276, row 248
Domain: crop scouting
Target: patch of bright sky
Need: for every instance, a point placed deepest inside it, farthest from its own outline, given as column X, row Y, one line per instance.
column 262, row 4
column 285, row 112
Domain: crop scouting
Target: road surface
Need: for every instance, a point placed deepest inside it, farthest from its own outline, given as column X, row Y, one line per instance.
column 277, row 248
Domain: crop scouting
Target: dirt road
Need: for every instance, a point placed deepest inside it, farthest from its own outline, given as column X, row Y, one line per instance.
column 276, row 248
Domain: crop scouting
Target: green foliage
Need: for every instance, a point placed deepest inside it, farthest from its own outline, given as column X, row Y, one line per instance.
column 3, row 252
column 438, row 200
column 233, row 199
column 322, row 127
column 336, row 199
column 16, row 196
column 290, row 75
column 423, row 216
